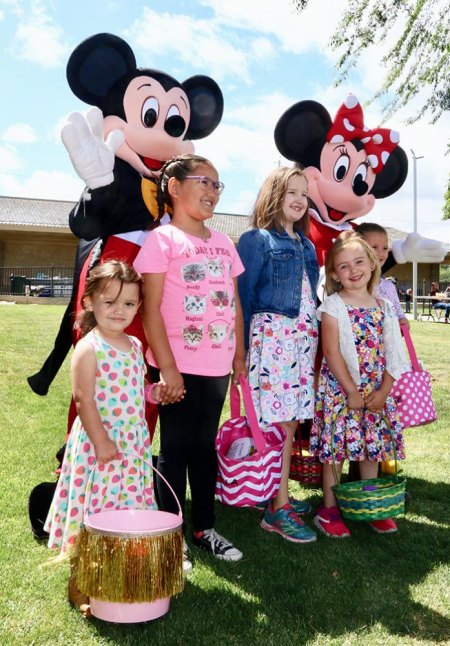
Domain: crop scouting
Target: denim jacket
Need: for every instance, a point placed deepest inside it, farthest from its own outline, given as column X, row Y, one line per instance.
column 272, row 280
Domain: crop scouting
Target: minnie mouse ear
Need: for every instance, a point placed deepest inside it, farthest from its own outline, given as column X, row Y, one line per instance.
column 96, row 65
column 393, row 174
column 300, row 132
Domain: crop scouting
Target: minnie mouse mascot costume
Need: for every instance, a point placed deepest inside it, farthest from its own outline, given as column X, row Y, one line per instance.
column 348, row 167
column 142, row 117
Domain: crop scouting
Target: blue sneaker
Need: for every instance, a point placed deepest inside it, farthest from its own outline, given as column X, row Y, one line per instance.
column 284, row 521
column 301, row 507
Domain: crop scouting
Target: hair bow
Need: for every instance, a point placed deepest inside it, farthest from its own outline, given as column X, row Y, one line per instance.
column 349, row 124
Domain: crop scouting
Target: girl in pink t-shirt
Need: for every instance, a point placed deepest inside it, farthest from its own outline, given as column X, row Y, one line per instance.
column 193, row 322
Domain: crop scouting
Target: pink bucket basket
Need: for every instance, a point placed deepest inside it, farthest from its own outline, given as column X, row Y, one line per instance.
column 125, row 530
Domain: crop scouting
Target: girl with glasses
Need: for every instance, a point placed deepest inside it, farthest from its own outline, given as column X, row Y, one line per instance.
column 193, row 323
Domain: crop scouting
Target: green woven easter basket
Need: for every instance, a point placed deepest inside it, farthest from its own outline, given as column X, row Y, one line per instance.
column 373, row 499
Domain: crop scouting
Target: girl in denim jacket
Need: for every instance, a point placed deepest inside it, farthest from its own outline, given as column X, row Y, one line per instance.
column 278, row 296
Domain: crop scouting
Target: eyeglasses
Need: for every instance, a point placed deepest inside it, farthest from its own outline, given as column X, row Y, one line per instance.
column 207, row 183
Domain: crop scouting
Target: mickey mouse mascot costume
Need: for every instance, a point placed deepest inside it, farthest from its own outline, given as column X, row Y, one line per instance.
column 348, row 167
column 141, row 118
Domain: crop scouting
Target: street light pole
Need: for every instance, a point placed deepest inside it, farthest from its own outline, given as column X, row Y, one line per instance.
column 415, row 231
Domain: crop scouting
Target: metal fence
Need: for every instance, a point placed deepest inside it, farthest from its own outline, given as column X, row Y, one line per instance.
column 49, row 281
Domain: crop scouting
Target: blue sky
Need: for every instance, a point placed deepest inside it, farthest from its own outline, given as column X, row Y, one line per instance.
column 264, row 57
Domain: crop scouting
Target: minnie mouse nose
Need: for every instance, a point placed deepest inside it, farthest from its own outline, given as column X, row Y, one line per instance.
column 360, row 187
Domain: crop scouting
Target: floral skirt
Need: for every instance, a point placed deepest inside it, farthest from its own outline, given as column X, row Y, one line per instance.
column 281, row 366
column 351, row 434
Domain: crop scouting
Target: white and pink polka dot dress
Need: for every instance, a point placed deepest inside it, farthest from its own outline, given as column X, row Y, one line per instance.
column 126, row 483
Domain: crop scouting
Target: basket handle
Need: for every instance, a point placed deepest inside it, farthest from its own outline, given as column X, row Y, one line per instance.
column 235, row 410
column 87, row 498
column 411, row 350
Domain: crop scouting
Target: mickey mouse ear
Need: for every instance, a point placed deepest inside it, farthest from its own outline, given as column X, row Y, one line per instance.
column 206, row 103
column 96, row 65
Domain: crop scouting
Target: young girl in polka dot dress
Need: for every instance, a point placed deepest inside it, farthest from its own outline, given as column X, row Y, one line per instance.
column 106, row 463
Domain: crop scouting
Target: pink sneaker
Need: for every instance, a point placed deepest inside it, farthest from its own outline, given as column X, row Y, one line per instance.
column 330, row 523
column 386, row 526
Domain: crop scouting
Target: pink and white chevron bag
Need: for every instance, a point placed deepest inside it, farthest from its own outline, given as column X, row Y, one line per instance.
column 412, row 392
column 249, row 459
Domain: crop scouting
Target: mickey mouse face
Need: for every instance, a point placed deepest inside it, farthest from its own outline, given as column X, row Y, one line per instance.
column 155, row 123
column 157, row 114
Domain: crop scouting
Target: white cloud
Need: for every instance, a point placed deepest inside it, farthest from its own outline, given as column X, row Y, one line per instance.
column 244, row 139
column 39, row 40
column 196, row 42
column 237, row 34
column 19, row 133
column 9, row 159
column 265, row 109
column 295, row 32
column 53, row 185
column 263, row 49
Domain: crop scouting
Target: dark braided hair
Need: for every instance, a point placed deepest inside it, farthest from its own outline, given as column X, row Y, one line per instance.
column 98, row 279
column 178, row 167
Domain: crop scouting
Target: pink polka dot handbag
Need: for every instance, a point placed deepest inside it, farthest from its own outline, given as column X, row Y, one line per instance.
column 412, row 392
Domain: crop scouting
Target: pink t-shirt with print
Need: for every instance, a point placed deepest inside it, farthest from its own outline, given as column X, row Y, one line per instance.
column 198, row 302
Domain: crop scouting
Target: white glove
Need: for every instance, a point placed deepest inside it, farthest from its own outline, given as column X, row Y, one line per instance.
column 92, row 157
column 414, row 248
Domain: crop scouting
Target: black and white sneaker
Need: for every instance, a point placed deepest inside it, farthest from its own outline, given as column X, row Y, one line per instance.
column 213, row 542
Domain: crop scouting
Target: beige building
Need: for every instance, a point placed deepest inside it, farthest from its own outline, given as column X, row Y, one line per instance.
column 35, row 236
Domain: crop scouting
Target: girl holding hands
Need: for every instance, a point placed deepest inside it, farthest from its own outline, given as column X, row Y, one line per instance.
column 278, row 295
column 355, row 417
column 108, row 372
column 193, row 322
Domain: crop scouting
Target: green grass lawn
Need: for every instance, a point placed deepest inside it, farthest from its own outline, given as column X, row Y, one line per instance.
column 369, row 589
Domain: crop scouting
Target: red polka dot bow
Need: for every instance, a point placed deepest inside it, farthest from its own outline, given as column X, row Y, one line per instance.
column 349, row 124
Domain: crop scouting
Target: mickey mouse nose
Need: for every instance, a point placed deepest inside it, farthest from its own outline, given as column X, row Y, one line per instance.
column 175, row 125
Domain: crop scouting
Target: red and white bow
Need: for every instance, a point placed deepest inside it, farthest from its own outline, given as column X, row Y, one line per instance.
column 349, row 124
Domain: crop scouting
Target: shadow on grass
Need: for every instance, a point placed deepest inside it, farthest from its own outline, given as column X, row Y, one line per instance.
column 283, row 593
column 333, row 587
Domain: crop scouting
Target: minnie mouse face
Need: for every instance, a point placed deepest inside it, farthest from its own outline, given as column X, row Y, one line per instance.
column 156, row 120
column 348, row 166
column 341, row 191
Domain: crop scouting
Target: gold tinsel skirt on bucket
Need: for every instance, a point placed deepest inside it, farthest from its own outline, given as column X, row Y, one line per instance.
column 130, row 566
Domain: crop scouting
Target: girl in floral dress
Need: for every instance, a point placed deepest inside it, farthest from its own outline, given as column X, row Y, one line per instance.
column 107, row 459
column 278, row 296
column 363, row 355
